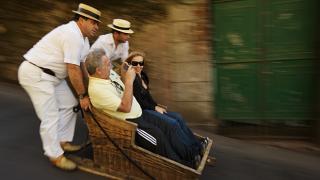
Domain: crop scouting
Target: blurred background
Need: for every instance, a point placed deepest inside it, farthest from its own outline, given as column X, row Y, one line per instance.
column 241, row 68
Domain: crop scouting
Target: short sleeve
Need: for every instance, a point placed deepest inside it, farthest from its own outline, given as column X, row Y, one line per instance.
column 72, row 48
column 85, row 51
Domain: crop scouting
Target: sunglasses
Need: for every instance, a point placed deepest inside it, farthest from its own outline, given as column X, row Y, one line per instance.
column 135, row 63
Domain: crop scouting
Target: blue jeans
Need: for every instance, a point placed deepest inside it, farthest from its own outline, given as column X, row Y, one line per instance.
column 179, row 135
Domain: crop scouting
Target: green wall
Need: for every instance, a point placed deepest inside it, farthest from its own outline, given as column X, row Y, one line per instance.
column 264, row 57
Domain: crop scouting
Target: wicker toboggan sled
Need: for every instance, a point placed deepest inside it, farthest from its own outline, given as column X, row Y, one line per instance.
column 108, row 161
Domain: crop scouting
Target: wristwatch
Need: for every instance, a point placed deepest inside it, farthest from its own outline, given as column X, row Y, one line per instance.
column 81, row 96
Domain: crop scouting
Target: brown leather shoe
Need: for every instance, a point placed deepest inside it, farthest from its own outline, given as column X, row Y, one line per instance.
column 68, row 147
column 63, row 163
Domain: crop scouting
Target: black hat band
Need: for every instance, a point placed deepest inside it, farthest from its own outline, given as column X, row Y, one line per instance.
column 89, row 13
column 122, row 28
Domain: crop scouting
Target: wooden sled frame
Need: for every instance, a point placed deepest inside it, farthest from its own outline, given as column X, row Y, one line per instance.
column 109, row 162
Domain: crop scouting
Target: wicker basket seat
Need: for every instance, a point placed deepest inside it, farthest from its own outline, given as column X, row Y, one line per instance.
column 108, row 158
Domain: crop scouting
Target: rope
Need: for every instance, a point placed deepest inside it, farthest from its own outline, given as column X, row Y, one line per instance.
column 122, row 152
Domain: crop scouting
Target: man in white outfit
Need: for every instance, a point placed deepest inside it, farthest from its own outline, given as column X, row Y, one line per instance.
column 59, row 54
column 115, row 44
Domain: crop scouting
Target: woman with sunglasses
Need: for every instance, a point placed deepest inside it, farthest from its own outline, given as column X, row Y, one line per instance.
column 149, row 105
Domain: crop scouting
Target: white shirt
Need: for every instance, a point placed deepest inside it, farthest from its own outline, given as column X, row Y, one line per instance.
column 64, row 44
column 106, row 42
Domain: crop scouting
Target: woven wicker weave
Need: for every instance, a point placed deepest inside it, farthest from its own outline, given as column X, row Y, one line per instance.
column 108, row 157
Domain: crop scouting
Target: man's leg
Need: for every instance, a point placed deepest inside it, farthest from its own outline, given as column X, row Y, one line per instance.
column 41, row 87
column 67, row 121
column 178, row 140
column 176, row 116
column 157, row 143
column 173, row 118
column 197, row 143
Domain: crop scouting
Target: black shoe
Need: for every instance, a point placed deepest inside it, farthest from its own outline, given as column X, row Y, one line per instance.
column 204, row 143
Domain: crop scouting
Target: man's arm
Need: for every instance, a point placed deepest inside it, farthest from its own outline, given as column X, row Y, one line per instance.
column 85, row 75
column 76, row 78
column 126, row 101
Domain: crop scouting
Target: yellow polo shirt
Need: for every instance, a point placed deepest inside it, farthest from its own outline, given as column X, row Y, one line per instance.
column 105, row 96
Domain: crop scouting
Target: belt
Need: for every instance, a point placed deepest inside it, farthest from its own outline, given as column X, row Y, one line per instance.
column 45, row 70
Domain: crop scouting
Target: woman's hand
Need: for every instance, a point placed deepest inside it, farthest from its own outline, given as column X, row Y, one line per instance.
column 160, row 109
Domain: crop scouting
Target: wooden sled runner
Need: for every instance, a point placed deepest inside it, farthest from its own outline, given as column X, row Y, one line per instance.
column 108, row 161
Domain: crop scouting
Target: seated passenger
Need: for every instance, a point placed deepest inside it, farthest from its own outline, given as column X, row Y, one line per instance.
column 116, row 99
column 148, row 104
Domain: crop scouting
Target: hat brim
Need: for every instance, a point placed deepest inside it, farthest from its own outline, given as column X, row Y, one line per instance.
column 86, row 15
column 129, row 31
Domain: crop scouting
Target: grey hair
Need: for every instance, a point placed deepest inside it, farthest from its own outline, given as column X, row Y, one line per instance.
column 94, row 60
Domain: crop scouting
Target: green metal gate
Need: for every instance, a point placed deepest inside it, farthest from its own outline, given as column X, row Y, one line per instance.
column 263, row 61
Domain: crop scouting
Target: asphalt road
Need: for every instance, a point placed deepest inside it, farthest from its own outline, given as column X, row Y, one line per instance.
column 21, row 155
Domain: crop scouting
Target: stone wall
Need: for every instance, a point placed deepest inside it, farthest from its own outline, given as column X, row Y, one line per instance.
column 191, row 61
column 179, row 60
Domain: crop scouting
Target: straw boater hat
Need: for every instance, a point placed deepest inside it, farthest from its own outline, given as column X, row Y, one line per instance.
column 121, row 25
column 88, row 11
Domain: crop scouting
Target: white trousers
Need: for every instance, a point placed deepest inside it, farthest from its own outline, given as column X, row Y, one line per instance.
column 53, row 102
